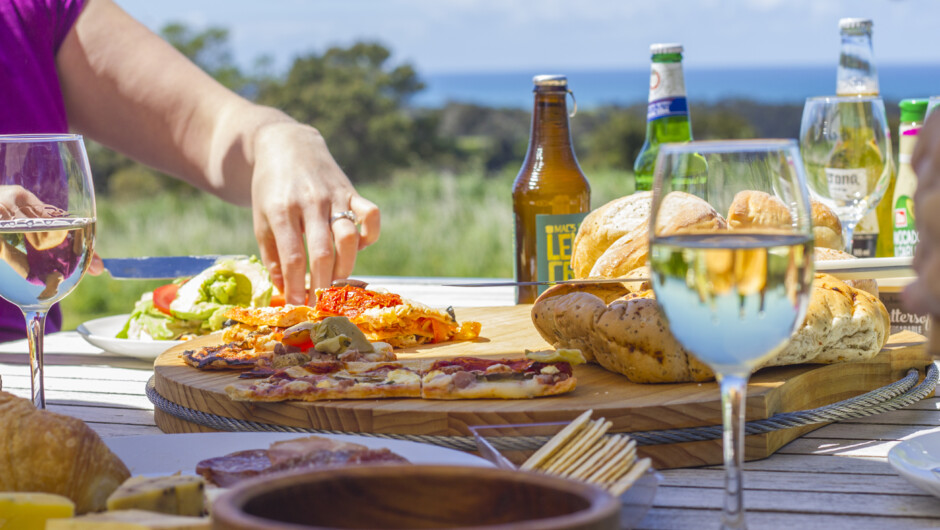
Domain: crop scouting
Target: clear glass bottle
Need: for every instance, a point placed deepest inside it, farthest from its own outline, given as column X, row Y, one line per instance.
column 667, row 114
column 857, row 75
column 905, row 233
column 550, row 196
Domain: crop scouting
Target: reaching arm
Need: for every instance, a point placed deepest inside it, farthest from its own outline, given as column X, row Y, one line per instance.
column 128, row 89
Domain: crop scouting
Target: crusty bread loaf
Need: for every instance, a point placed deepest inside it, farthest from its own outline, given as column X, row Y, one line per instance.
column 628, row 335
column 41, row 451
column 605, row 225
column 680, row 212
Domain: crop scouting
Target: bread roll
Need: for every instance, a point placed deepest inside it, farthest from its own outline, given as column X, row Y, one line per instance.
column 827, row 229
column 628, row 335
column 679, row 212
column 752, row 209
column 605, row 225
column 41, row 451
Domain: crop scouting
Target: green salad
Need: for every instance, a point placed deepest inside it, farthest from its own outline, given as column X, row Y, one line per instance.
column 195, row 306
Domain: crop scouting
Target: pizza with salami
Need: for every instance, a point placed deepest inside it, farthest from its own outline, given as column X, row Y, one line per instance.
column 457, row 378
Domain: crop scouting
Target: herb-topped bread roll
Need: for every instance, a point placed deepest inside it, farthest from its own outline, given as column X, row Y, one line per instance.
column 45, row 452
column 628, row 335
column 828, row 254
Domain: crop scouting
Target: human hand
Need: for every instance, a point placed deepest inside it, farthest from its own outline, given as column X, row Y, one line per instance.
column 297, row 190
column 923, row 295
column 18, row 202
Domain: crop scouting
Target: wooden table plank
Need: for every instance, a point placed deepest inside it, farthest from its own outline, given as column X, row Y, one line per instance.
column 672, row 518
column 787, row 481
column 857, row 503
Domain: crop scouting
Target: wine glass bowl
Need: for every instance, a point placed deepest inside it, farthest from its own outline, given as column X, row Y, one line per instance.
column 735, row 293
column 846, row 149
column 47, row 229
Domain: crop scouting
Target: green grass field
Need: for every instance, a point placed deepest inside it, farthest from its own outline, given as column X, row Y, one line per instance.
column 432, row 225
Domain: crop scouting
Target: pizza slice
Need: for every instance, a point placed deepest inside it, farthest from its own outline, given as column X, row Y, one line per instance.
column 475, row 378
column 321, row 380
column 458, row 378
column 332, row 338
column 387, row 317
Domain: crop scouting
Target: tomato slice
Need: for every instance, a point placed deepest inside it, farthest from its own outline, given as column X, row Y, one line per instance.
column 277, row 300
column 163, row 296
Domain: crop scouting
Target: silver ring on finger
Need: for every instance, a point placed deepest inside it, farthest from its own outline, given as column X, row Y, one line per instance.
column 348, row 214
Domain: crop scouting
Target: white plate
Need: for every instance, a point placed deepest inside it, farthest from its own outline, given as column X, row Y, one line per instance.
column 915, row 459
column 102, row 332
column 162, row 454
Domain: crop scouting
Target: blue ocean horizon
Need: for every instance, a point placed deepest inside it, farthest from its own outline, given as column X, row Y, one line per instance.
column 596, row 88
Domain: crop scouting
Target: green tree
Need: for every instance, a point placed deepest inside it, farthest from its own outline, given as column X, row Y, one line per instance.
column 358, row 102
column 209, row 49
column 613, row 139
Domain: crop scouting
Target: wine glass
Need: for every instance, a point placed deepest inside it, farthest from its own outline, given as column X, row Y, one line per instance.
column 732, row 296
column 846, row 149
column 47, row 229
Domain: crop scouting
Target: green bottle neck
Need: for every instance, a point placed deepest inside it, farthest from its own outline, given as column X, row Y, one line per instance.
column 667, row 113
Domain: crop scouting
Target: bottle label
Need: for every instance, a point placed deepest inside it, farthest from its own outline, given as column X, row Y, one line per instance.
column 864, row 245
column 667, row 107
column 554, row 236
column 667, row 91
column 847, row 184
column 666, row 81
column 905, row 231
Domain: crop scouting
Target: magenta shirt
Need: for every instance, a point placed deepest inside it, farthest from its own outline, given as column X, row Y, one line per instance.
column 31, row 32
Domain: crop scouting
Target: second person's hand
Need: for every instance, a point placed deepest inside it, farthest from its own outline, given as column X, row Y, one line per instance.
column 299, row 197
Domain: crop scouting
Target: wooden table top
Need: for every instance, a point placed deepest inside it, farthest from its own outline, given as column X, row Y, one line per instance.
column 834, row 477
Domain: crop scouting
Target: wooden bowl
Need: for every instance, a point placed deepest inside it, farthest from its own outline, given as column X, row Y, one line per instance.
column 412, row 496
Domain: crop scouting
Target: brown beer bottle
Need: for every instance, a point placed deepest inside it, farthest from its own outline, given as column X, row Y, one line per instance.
column 550, row 196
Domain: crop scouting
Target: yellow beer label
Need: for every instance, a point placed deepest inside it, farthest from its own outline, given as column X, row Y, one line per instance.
column 554, row 236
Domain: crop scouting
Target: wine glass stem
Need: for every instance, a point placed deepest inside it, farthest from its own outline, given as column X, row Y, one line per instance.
column 733, row 390
column 35, row 326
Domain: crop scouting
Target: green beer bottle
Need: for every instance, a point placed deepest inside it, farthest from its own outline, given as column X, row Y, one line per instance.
column 905, row 231
column 667, row 114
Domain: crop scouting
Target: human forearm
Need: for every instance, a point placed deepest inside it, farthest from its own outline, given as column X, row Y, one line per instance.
column 130, row 90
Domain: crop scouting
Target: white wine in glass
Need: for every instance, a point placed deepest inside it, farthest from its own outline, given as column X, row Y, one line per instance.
column 846, row 149
column 47, row 229
column 732, row 297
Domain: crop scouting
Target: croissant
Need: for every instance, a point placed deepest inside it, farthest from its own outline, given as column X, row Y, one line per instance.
column 41, row 451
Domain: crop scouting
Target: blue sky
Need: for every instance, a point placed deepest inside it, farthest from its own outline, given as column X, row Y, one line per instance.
column 440, row 36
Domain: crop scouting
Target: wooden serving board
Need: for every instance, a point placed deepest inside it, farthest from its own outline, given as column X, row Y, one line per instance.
column 507, row 331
